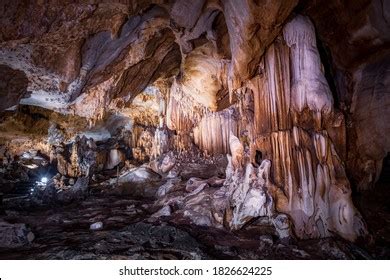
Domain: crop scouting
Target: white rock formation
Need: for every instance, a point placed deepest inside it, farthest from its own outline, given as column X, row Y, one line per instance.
column 309, row 87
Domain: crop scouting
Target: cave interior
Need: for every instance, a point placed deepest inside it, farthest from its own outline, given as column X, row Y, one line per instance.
column 176, row 129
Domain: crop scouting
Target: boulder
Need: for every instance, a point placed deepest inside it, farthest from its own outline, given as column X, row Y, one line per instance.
column 96, row 226
column 163, row 212
column 141, row 181
column 193, row 183
column 283, row 228
column 139, row 175
column 170, row 186
column 168, row 162
column 14, row 235
column 163, row 164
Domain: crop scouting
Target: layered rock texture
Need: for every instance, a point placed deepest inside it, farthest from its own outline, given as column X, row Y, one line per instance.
column 259, row 114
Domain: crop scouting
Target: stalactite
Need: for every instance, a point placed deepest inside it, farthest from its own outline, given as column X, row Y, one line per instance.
column 183, row 112
column 212, row 132
column 135, row 134
column 309, row 87
column 142, row 142
column 281, row 116
column 278, row 76
column 311, row 185
column 160, row 142
column 302, row 159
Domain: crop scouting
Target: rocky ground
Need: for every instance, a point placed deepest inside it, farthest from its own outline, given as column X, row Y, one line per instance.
column 123, row 227
column 165, row 209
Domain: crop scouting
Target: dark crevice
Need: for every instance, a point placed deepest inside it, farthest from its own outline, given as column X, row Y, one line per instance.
column 327, row 62
column 258, row 157
column 385, row 173
column 222, row 36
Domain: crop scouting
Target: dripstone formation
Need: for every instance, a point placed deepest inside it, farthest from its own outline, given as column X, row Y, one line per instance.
column 262, row 121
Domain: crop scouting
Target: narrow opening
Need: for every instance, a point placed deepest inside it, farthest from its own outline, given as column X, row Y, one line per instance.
column 258, row 157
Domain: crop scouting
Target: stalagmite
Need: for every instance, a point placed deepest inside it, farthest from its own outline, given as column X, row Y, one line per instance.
column 255, row 125
column 249, row 195
column 304, row 160
column 237, row 151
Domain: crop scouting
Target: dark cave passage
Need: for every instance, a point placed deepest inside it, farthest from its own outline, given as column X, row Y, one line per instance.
column 384, row 177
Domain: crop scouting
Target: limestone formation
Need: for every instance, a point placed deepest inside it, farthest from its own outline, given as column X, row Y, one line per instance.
column 249, row 196
column 237, row 117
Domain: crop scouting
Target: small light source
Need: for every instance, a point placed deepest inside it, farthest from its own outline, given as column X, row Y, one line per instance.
column 44, row 180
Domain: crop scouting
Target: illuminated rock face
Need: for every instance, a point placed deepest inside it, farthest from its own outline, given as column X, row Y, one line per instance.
column 284, row 114
column 315, row 191
column 188, row 80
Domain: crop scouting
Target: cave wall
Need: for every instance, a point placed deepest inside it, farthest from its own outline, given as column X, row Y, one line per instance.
column 13, row 87
column 355, row 37
column 369, row 141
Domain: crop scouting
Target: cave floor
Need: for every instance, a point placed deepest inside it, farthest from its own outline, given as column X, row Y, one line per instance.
column 63, row 232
